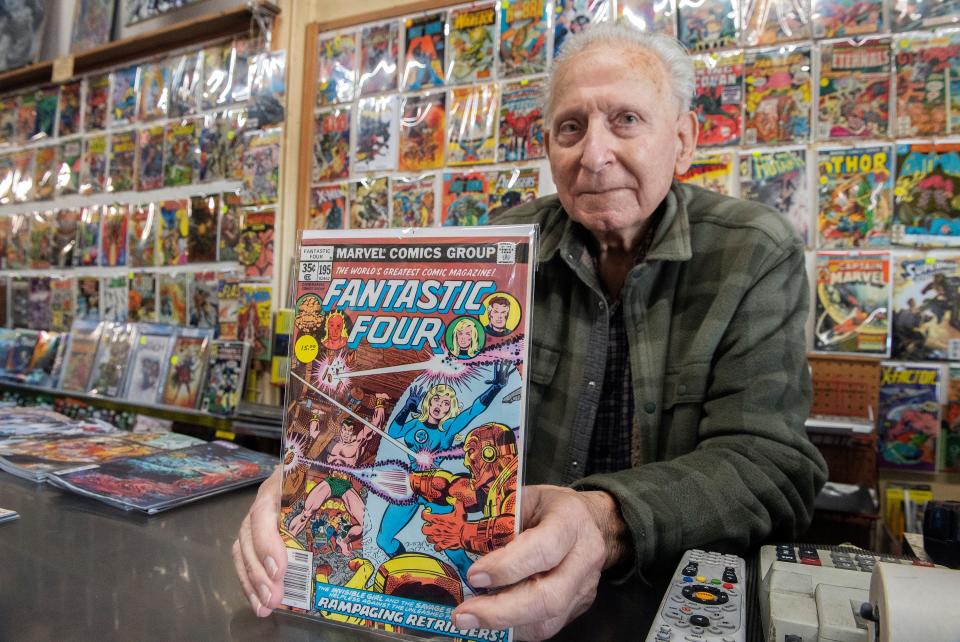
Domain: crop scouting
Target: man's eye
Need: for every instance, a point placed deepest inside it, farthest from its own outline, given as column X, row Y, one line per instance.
column 568, row 127
column 628, row 118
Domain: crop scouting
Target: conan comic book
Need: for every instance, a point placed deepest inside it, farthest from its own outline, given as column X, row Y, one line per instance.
column 927, row 195
column 778, row 96
column 70, row 166
column 172, row 298
column 123, row 161
column 88, row 237
column 62, row 299
column 179, row 153
column 854, row 91
column 45, row 168
column 414, row 203
column 148, row 363
column 203, row 292
column 706, row 25
column 328, row 208
column 254, row 319
column 212, row 149
column 114, row 240
column 403, row 431
column 173, row 232
column 379, row 47
column 422, row 132
column 855, row 197
column 97, row 104
column 471, row 44
column 202, row 237
column 255, row 244
column 521, row 121
column 79, row 356
column 426, row 44
column 779, row 180
column 853, row 302
column 573, row 16
column 369, row 203
column 93, row 173
column 150, row 170
column 908, row 15
column 908, row 425
column 261, row 167
column 523, row 37
column 113, row 356
column 228, row 365
column 228, row 233
column 69, row 108
column 41, row 239
column 925, row 70
column 218, row 76
column 331, row 145
column 154, row 92
column 228, row 305
column 142, row 243
column 465, row 198
column 845, row 18
column 471, row 125
column 142, row 297
column 715, row 172
column 926, row 308
column 719, row 97
column 950, row 433
column 377, row 133
column 769, row 22
column 123, row 95
column 186, row 368
column 512, row 187
column 38, row 304
column 650, row 15
column 336, row 68
column 88, row 298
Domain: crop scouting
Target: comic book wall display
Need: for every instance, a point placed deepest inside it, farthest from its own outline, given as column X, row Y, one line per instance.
column 909, row 416
column 328, row 208
column 362, row 447
column 925, row 69
column 225, row 375
column 707, row 25
column 172, row 299
column 80, row 354
column 331, row 145
column 523, row 37
column 179, row 153
column 714, row 171
column 422, row 132
column 369, row 203
column 69, row 108
column 854, row 90
column 719, row 97
column 471, row 44
column 471, row 125
column 150, row 146
column 836, row 18
column 521, row 122
column 202, row 237
column 926, row 308
column 465, row 200
column 93, row 173
column 377, row 128
column 853, row 302
column 70, row 167
column 426, row 45
column 512, row 187
column 204, row 288
column 110, row 366
column 414, row 203
column 926, row 204
column 779, row 179
column 121, row 176
column 186, row 368
column 88, row 298
column 261, row 167
column 254, row 322
column 573, row 16
column 379, row 46
column 92, row 22
column 854, row 196
column 148, row 364
column 255, row 243
column 777, row 95
column 142, row 297
column 173, row 232
column 907, row 15
column 336, row 69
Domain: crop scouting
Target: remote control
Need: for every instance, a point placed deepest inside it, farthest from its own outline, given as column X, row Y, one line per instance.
column 704, row 601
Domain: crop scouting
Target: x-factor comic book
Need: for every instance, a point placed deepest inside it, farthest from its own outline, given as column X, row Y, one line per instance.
column 768, row 22
column 422, row 132
column 336, row 68
column 853, row 302
column 186, row 368
column 926, row 307
column 426, row 44
column 465, row 199
column 114, row 242
column 328, row 208
column 718, row 101
column 173, row 232
column 714, row 171
column 404, row 422
column 141, row 246
column 573, row 16
column 202, row 238
column 116, row 302
column 650, row 15
column 255, row 244
column 926, row 193
column 521, row 121
column 331, row 145
column 845, row 18
column 707, row 25
column 80, row 354
column 414, row 203
column 778, row 95
column 172, row 299
column 254, row 319
column 471, row 44
column 855, row 197
column 123, row 95
column 93, row 173
column 179, row 153
column 472, row 125
column 376, row 135
column 379, row 48
column 69, row 167
column 228, row 366
column 779, row 180
column 908, row 15
column 113, row 356
column 908, row 427
column 512, row 187
column 97, row 104
column 854, row 90
column 148, row 363
column 369, row 203
column 925, row 76
column 150, row 151
column 69, row 108
column 123, row 161
column 523, row 37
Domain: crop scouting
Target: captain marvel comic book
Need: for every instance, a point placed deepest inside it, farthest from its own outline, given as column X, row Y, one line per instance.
column 404, row 422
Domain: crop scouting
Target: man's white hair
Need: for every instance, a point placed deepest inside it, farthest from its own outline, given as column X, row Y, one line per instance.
column 619, row 35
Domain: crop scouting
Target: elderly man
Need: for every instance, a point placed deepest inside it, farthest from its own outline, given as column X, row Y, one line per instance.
column 668, row 385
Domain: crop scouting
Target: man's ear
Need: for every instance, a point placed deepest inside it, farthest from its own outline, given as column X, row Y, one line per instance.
column 688, row 130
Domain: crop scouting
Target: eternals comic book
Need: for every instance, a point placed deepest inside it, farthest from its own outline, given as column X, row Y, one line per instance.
column 854, row 89
column 471, row 44
column 404, row 422
column 926, row 195
column 908, row 427
column 714, row 171
column 855, row 197
column 778, row 100
column 779, row 180
column 853, row 302
column 719, row 97
column 926, row 307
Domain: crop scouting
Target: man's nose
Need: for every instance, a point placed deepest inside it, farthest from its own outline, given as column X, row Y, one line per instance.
column 598, row 142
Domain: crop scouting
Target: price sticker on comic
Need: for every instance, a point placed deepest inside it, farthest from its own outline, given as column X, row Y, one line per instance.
column 315, row 271
column 306, row 349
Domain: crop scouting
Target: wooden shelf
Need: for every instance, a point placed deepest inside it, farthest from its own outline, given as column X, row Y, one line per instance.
column 25, row 76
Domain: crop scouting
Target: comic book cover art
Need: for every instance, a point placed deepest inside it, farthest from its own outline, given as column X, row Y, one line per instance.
column 365, row 444
column 379, row 45
column 39, row 371
column 142, row 242
column 715, row 172
column 41, row 253
column 228, row 365
column 853, row 302
column 228, row 232
column 45, row 168
column 92, row 21
column 97, row 104
column 331, row 145
column 93, row 172
column 261, row 167
column 45, row 103
column 779, row 180
column 183, row 76
column 38, row 315
column 650, row 15
column 422, row 132
column 926, row 209
column 471, row 125
column 521, row 121
column 123, row 95
column 20, row 353
column 69, row 108
column 115, row 291
column 88, row 298
column 523, row 37
column 255, row 243
column 778, row 96
column 123, row 161
column 154, row 93
column 855, row 204
column 844, row 18
column 854, row 92
column 719, row 97
column 34, row 458
column 202, row 238
column 950, row 433
column 267, row 88
column 148, row 364
column 19, row 304
column 212, row 150
column 377, row 133
column 254, row 320
column 113, row 354
column 204, row 290
column 62, row 299
column 707, row 25
column 465, row 198
column 328, row 208
column 573, row 16
column 186, row 369
column 471, row 39
column 9, row 108
column 180, row 153
column 369, row 203
column 908, row 15
column 426, row 44
column 150, row 174
column 228, row 308
column 114, row 242
column 88, row 237
column 79, row 356
column 414, row 204
column 909, row 421
column 926, row 305
column 336, row 68
column 172, row 298
column 244, row 50
column 18, row 243
column 768, row 22
column 26, row 116
column 218, row 73
column 142, row 297
column 173, row 232
column 513, row 187
column 926, row 80
column 70, row 167
column 23, row 175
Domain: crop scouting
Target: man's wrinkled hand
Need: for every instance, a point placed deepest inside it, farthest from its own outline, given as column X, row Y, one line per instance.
column 259, row 555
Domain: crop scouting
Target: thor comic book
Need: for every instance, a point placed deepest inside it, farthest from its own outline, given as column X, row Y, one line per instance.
column 403, row 427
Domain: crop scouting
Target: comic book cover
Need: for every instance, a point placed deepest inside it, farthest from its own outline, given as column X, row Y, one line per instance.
column 92, row 22
column 39, row 372
column 255, row 244
column 115, row 291
column 123, row 95
column 218, row 73
column 854, row 92
column 925, row 76
column 926, row 210
column 465, row 198
column 328, row 208
column 512, row 187
column 853, row 302
column 228, row 231
column 19, row 304
column 20, row 353
column 113, row 354
column 38, row 306
column 88, row 298
column 123, row 161
column 62, row 299
column 855, row 203
column 379, row 48
column 909, row 15
column 202, row 238
column 6, row 179
column 88, row 238
column 909, row 423
column 369, row 203
column 573, row 16
column 521, row 121
column 154, row 92
column 331, row 145
column 707, row 25
column 18, row 243
column 267, row 88
column 97, row 104
column 142, row 297
column 950, row 434
column 769, row 22
column 23, row 175
column 244, row 50
column 186, row 369
column 173, row 232
column 45, row 102
column 70, row 166
column 204, row 290
column 650, row 15
column 414, row 203
column 778, row 96
column 9, row 110
column 69, row 108
column 365, row 443
column 261, row 167
column 471, row 125
column 35, row 458
column 845, row 18
column 93, row 172
column 228, row 365
column 114, row 240
column 45, row 168
column 143, row 235
column 172, row 299
column 80, row 354
column 422, row 132
column 212, row 150
column 523, row 37
column 376, row 135
column 926, row 308
column 336, row 68
column 426, row 44
column 228, row 305
column 148, row 363
column 41, row 240
column 150, row 170
column 184, row 78
column 254, row 319
column 715, row 172
column 471, row 40
column 180, row 153
column 779, row 180
column 719, row 97
column 26, row 117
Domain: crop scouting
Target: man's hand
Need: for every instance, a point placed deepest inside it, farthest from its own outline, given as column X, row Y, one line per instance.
column 552, row 568
column 259, row 555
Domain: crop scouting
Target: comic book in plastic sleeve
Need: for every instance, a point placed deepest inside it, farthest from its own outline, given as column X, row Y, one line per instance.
column 376, row 134
column 64, row 238
column 93, row 173
column 926, row 210
column 523, row 37
column 154, row 92
column 853, row 302
column 261, row 167
column 471, row 44
column 40, row 370
column 426, row 44
column 21, row 352
column 404, row 422
column 472, row 125
column 173, row 231
column 114, row 241
column 38, row 302
column 926, row 307
column 9, row 107
column 26, row 116
column 92, row 21
column 331, row 145
column 150, row 151
column 779, row 179
column 18, row 245
column 336, row 68
column 123, row 95
column 212, row 149
column 328, row 207
column 379, row 48
column 172, row 298
column 46, row 99
column 113, row 355
column 62, row 298
column 141, row 246
column 778, row 96
column 228, row 366
column 422, row 132
column 521, row 121
column 846, row 18
column 649, row 15
column 202, row 238
column 203, row 298
column 69, row 108
column 186, row 368
column 908, row 426
column 80, row 354
column 855, row 197
column 513, row 187
column 184, row 77
column 45, row 167
column 414, row 201
column 925, row 69
column 854, row 91
column 908, row 15
column 115, row 291
column 148, row 363
column 228, row 231
column 23, row 175
column 88, row 237
column 267, row 88
column 19, row 303
column 768, row 22
column 255, row 243
column 369, row 203
column 950, row 447
column 465, row 198
column 69, row 167
column 179, row 153
column 718, row 101
column 41, row 239
column 97, row 104
column 218, row 75
column 255, row 319
column 707, row 25
column 573, row 16
column 228, row 305
column 6, row 178
column 715, row 171
column 121, row 176
column 142, row 297
column 88, row 298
